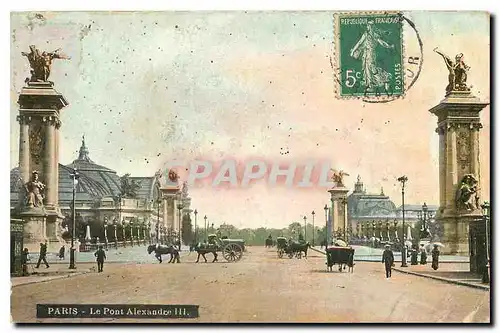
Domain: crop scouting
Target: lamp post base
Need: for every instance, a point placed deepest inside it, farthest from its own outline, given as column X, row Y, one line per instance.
column 72, row 258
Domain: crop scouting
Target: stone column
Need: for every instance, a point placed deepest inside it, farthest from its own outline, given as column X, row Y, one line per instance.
column 24, row 149
column 49, row 164
column 458, row 126
column 335, row 218
column 442, row 164
column 338, row 195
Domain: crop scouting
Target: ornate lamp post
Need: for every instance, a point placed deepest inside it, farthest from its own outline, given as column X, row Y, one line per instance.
column 74, row 176
column 326, row 224
column 426, row 218
column 403, row 180
column 195, row 226
column 305, row 228
column 486, row 217
column 313, row 213
column 205, row 227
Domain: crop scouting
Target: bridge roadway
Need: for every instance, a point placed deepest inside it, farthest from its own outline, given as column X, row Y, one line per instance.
column 262, row 288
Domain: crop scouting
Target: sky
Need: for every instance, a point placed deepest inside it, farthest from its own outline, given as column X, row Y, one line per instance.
column 146, row 88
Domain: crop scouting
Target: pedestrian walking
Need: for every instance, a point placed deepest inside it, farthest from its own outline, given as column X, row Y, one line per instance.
column 101, row 255
column 24, row 261
column 43, row 255
column 423, row 256
column 414, row 256
column 435, row 257
column 388, row 260
column 61, row 252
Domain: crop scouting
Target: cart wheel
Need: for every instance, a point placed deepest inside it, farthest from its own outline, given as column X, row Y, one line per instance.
column 280, row 254
column 290, row 255
column 232, row 252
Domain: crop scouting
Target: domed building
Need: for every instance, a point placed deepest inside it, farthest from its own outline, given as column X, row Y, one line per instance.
column 101, row 198
column 376, row 215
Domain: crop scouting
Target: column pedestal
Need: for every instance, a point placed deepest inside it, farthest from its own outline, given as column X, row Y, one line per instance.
column 338, row 195
column 35, row 220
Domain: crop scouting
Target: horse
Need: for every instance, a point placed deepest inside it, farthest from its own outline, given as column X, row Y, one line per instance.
column 299, row 248
column 174, row 254
column 269, row 242
column 206, row 248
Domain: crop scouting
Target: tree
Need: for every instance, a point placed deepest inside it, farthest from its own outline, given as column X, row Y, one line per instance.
column 295, row 227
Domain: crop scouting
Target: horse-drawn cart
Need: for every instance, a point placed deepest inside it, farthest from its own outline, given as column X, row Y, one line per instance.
column 291, row 248
column 281, row 244
column 232, row 249
column 341, row 255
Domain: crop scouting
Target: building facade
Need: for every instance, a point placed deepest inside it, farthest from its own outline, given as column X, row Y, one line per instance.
column 126, row 207
column 376, row 216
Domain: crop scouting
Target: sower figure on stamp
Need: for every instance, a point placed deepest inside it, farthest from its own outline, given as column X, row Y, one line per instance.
column 43, row 255
column 366, row 50
column 100, row 255
column 388, row 259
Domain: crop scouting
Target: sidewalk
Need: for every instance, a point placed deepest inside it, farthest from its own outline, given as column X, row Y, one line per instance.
column 54, row 272
column 456, row 273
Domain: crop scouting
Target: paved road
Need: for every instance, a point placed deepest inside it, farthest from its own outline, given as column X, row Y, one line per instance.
column 138, row 254
column 263, row 288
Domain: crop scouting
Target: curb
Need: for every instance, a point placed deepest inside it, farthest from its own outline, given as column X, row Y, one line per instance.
column 52, row 279
column 458, row 282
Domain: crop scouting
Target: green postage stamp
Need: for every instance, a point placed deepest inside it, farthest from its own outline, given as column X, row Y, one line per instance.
column 369, row 53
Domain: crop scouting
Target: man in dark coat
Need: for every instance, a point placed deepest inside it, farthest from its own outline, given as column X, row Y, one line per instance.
column 101, row 255
column 388, row 259
column 43, row 255
column 61, row 252
column 423, row 256
column 414, row 255
column 435, row 257
column 24, row 261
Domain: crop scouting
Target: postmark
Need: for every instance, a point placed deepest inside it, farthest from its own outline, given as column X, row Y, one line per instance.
column 371, row 63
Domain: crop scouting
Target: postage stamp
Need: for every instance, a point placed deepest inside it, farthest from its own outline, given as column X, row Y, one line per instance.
column 370, row 54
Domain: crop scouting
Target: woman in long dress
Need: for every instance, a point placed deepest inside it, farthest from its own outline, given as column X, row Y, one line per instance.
column 365, row 49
